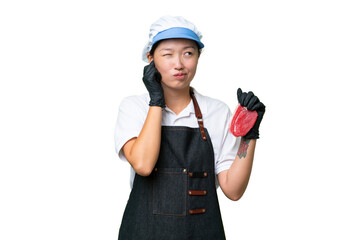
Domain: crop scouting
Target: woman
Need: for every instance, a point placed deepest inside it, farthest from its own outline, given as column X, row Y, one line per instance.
column 178, row 143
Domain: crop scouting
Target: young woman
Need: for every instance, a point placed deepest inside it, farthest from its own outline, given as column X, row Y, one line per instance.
column 178, row 143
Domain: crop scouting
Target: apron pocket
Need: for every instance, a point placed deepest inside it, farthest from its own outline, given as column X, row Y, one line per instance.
column 169, row 191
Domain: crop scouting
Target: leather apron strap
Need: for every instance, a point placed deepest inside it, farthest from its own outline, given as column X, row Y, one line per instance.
column 198, row 114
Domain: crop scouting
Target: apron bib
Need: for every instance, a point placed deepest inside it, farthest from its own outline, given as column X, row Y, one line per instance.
column 178, row 200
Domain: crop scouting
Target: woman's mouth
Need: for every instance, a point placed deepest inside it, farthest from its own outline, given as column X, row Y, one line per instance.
column 179, row 76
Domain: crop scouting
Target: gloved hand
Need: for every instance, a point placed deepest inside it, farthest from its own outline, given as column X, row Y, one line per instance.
column 252, row 103
column 152, row 81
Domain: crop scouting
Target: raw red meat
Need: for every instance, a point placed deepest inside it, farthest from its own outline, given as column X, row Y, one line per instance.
column 242, row 121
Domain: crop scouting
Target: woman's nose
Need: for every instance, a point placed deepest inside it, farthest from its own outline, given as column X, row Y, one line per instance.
column 178, row 64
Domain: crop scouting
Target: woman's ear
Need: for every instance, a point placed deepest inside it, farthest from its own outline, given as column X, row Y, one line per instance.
column 149, row 57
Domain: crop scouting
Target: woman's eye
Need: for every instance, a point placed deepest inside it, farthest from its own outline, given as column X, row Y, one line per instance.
column 188, row 53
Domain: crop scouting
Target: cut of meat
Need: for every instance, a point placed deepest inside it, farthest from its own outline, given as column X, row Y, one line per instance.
column 242, row 121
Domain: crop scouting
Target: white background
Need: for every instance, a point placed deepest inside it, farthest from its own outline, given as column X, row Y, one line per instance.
column 66, row 65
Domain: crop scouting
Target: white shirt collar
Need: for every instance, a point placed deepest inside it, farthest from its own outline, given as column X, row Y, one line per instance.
column 190, row 107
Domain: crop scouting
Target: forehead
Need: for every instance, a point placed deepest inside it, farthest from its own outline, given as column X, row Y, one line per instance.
column 177, row 43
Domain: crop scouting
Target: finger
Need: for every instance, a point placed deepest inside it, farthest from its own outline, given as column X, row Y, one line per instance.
column 148, row 67
column 242, row 99
column 157, row 76
column 247, row 99
column 258, row 106
column 239, row 92
column 153, row 70
column 252, row 102
column 144, row 71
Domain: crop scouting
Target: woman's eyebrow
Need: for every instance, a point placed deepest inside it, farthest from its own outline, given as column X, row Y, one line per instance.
column 170, row 49
column 166, row 49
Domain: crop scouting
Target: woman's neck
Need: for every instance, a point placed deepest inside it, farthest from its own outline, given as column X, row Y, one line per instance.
column 177, row 100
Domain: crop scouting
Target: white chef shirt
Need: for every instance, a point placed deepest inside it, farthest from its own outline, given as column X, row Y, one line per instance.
column 216, row 116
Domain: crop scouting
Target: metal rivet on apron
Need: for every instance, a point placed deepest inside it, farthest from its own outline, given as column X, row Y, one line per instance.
column 185, row 170
column 205, row 174
column 155, row 169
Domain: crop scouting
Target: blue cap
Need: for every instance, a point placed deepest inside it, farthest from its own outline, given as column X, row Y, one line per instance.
column 178, row 32
column 168, row 27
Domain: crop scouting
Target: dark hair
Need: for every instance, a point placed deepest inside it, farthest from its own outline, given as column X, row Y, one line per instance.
column 157, row 44
column 154, row 47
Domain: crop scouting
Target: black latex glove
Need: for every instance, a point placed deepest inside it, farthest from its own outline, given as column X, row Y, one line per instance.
column 252, row 103
column 152, row 81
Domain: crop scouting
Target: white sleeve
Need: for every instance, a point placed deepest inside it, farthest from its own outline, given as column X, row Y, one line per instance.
column 229, row 147
column 131, row 117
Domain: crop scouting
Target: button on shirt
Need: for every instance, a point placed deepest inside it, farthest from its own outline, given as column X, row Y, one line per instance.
column 216, row 116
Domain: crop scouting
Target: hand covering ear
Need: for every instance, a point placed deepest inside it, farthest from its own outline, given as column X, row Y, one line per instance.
column 152, row 81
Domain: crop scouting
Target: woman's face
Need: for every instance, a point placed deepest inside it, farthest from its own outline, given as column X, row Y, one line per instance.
column 176, row 60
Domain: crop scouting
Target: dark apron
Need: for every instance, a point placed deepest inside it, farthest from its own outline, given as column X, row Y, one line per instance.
column 178, row 200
